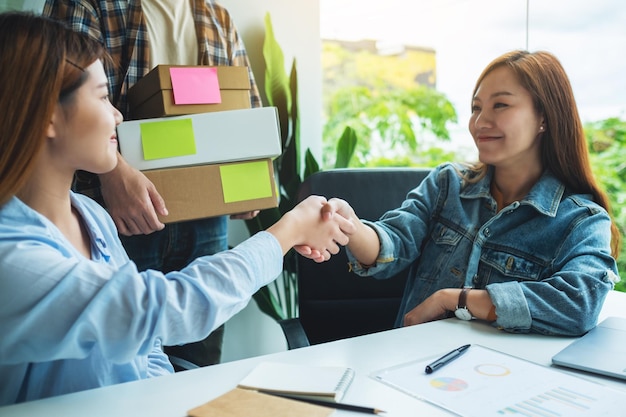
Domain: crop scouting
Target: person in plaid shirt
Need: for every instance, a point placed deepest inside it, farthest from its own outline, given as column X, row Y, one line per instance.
column 140, row 35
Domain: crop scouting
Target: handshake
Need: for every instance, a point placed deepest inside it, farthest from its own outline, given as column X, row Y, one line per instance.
column 317, row 228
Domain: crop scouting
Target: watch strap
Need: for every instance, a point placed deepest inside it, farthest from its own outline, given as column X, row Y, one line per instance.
column 463, row 298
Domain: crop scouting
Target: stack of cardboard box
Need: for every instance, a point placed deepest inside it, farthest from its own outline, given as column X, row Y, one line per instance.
column 197, row 139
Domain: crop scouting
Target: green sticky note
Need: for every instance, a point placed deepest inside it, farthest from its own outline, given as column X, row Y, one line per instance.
column 168, row 138
column 246, row 181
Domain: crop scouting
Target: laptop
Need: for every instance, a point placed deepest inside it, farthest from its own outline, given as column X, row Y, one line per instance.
column 601, row 351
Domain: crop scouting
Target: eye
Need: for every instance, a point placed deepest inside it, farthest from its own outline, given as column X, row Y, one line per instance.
column 475, row 108
column 500, row 105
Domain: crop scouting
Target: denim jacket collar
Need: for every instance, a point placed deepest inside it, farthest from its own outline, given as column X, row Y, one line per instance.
column 544, row 196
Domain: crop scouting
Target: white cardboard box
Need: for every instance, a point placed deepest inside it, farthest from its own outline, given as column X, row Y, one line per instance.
column 199, row 139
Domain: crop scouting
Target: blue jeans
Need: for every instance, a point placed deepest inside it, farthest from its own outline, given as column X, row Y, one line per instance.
column 172, row 249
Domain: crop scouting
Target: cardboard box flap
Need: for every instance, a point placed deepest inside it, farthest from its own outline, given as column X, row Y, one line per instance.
column 229, row 78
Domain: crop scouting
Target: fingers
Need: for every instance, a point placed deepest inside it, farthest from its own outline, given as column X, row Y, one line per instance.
column 157, row 201
column 320, row 256
column 245, row 216
column 134, row 216
column 346, row 226
column 121, row 226
column 130, row 225
column 303, row 250
column 430, row 309
column 313, row 254
column 133, row 202
column 327, row 211
column 409, row 320
column 145, row 221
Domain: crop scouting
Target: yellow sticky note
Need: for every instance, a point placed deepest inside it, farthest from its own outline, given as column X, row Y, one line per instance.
column 246, row 181
column 168, row 138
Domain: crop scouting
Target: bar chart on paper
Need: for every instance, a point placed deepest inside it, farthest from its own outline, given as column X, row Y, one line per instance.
column 485, row 382
column 555, row 403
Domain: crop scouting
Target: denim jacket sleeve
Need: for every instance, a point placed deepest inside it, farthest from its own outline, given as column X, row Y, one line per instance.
column 399, row 247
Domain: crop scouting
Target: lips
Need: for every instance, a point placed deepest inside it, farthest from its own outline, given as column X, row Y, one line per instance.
column 487, row 138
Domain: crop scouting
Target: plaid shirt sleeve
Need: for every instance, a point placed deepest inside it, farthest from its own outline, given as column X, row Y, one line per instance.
column 80, row 16
column 220, row 43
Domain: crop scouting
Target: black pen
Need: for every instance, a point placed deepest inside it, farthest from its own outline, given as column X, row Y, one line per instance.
column 445, row 359
column 323, row 403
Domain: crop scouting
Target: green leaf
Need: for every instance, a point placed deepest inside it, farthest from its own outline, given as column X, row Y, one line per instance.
column 269, row 304
column 276, row 81
column 310, row 164
column 345, row 148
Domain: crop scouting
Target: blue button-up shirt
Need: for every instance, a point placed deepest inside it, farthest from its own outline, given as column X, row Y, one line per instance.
column 545, row 260
column 68, row 323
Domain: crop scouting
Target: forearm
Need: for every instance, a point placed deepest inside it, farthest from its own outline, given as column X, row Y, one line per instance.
column 478, row 302
column 439, row 304
column 364, row 244
column 286, row 232
column 115, row 176
column 480, row 305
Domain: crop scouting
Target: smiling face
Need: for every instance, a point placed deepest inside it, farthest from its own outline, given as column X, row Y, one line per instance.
column 84, row 136
column 504, row 123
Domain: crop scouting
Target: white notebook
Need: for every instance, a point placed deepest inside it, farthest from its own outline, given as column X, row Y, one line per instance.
column 305, row 381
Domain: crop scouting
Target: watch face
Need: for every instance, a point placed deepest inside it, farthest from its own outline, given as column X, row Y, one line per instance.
column 463, row 314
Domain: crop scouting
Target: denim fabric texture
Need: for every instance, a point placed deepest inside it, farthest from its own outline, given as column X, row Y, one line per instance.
column 545, row 260
column 178, row 244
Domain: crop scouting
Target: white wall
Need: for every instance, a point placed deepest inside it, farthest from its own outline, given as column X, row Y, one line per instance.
column 297, row 30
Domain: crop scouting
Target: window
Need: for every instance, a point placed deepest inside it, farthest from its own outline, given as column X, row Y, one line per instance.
column 588, row 37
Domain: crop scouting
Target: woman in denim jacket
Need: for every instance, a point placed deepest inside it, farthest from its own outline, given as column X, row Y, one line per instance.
column 523, row 238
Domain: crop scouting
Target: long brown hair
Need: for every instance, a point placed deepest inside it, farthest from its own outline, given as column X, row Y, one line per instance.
column 563, row 145
column 42, row 64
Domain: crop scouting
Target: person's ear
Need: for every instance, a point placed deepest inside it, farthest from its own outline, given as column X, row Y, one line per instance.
column 542, row 125
column 53, row 125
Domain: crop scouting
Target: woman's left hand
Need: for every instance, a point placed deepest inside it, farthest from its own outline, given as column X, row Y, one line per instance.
column 433, row 308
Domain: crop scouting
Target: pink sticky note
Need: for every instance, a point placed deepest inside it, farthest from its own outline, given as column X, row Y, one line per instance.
column 195, row 85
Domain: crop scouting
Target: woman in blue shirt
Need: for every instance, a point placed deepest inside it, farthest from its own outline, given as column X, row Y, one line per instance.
column 523, row 238
column 74, row 311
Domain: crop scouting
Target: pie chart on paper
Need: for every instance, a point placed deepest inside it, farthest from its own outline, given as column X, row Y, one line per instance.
column 448, row 384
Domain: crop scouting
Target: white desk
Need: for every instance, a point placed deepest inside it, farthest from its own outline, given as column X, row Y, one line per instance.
column 173, row 395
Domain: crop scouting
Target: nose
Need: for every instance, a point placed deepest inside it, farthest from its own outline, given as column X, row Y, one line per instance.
column 118, row 116
column 481, row 119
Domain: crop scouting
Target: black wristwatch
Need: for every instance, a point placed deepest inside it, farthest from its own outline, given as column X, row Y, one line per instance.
column 461, row 311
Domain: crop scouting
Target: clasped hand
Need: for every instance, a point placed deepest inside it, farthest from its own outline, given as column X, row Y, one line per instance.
column 332, row 212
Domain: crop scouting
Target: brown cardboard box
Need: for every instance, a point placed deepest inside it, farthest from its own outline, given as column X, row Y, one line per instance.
column 152, row 95
column 201, row 191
